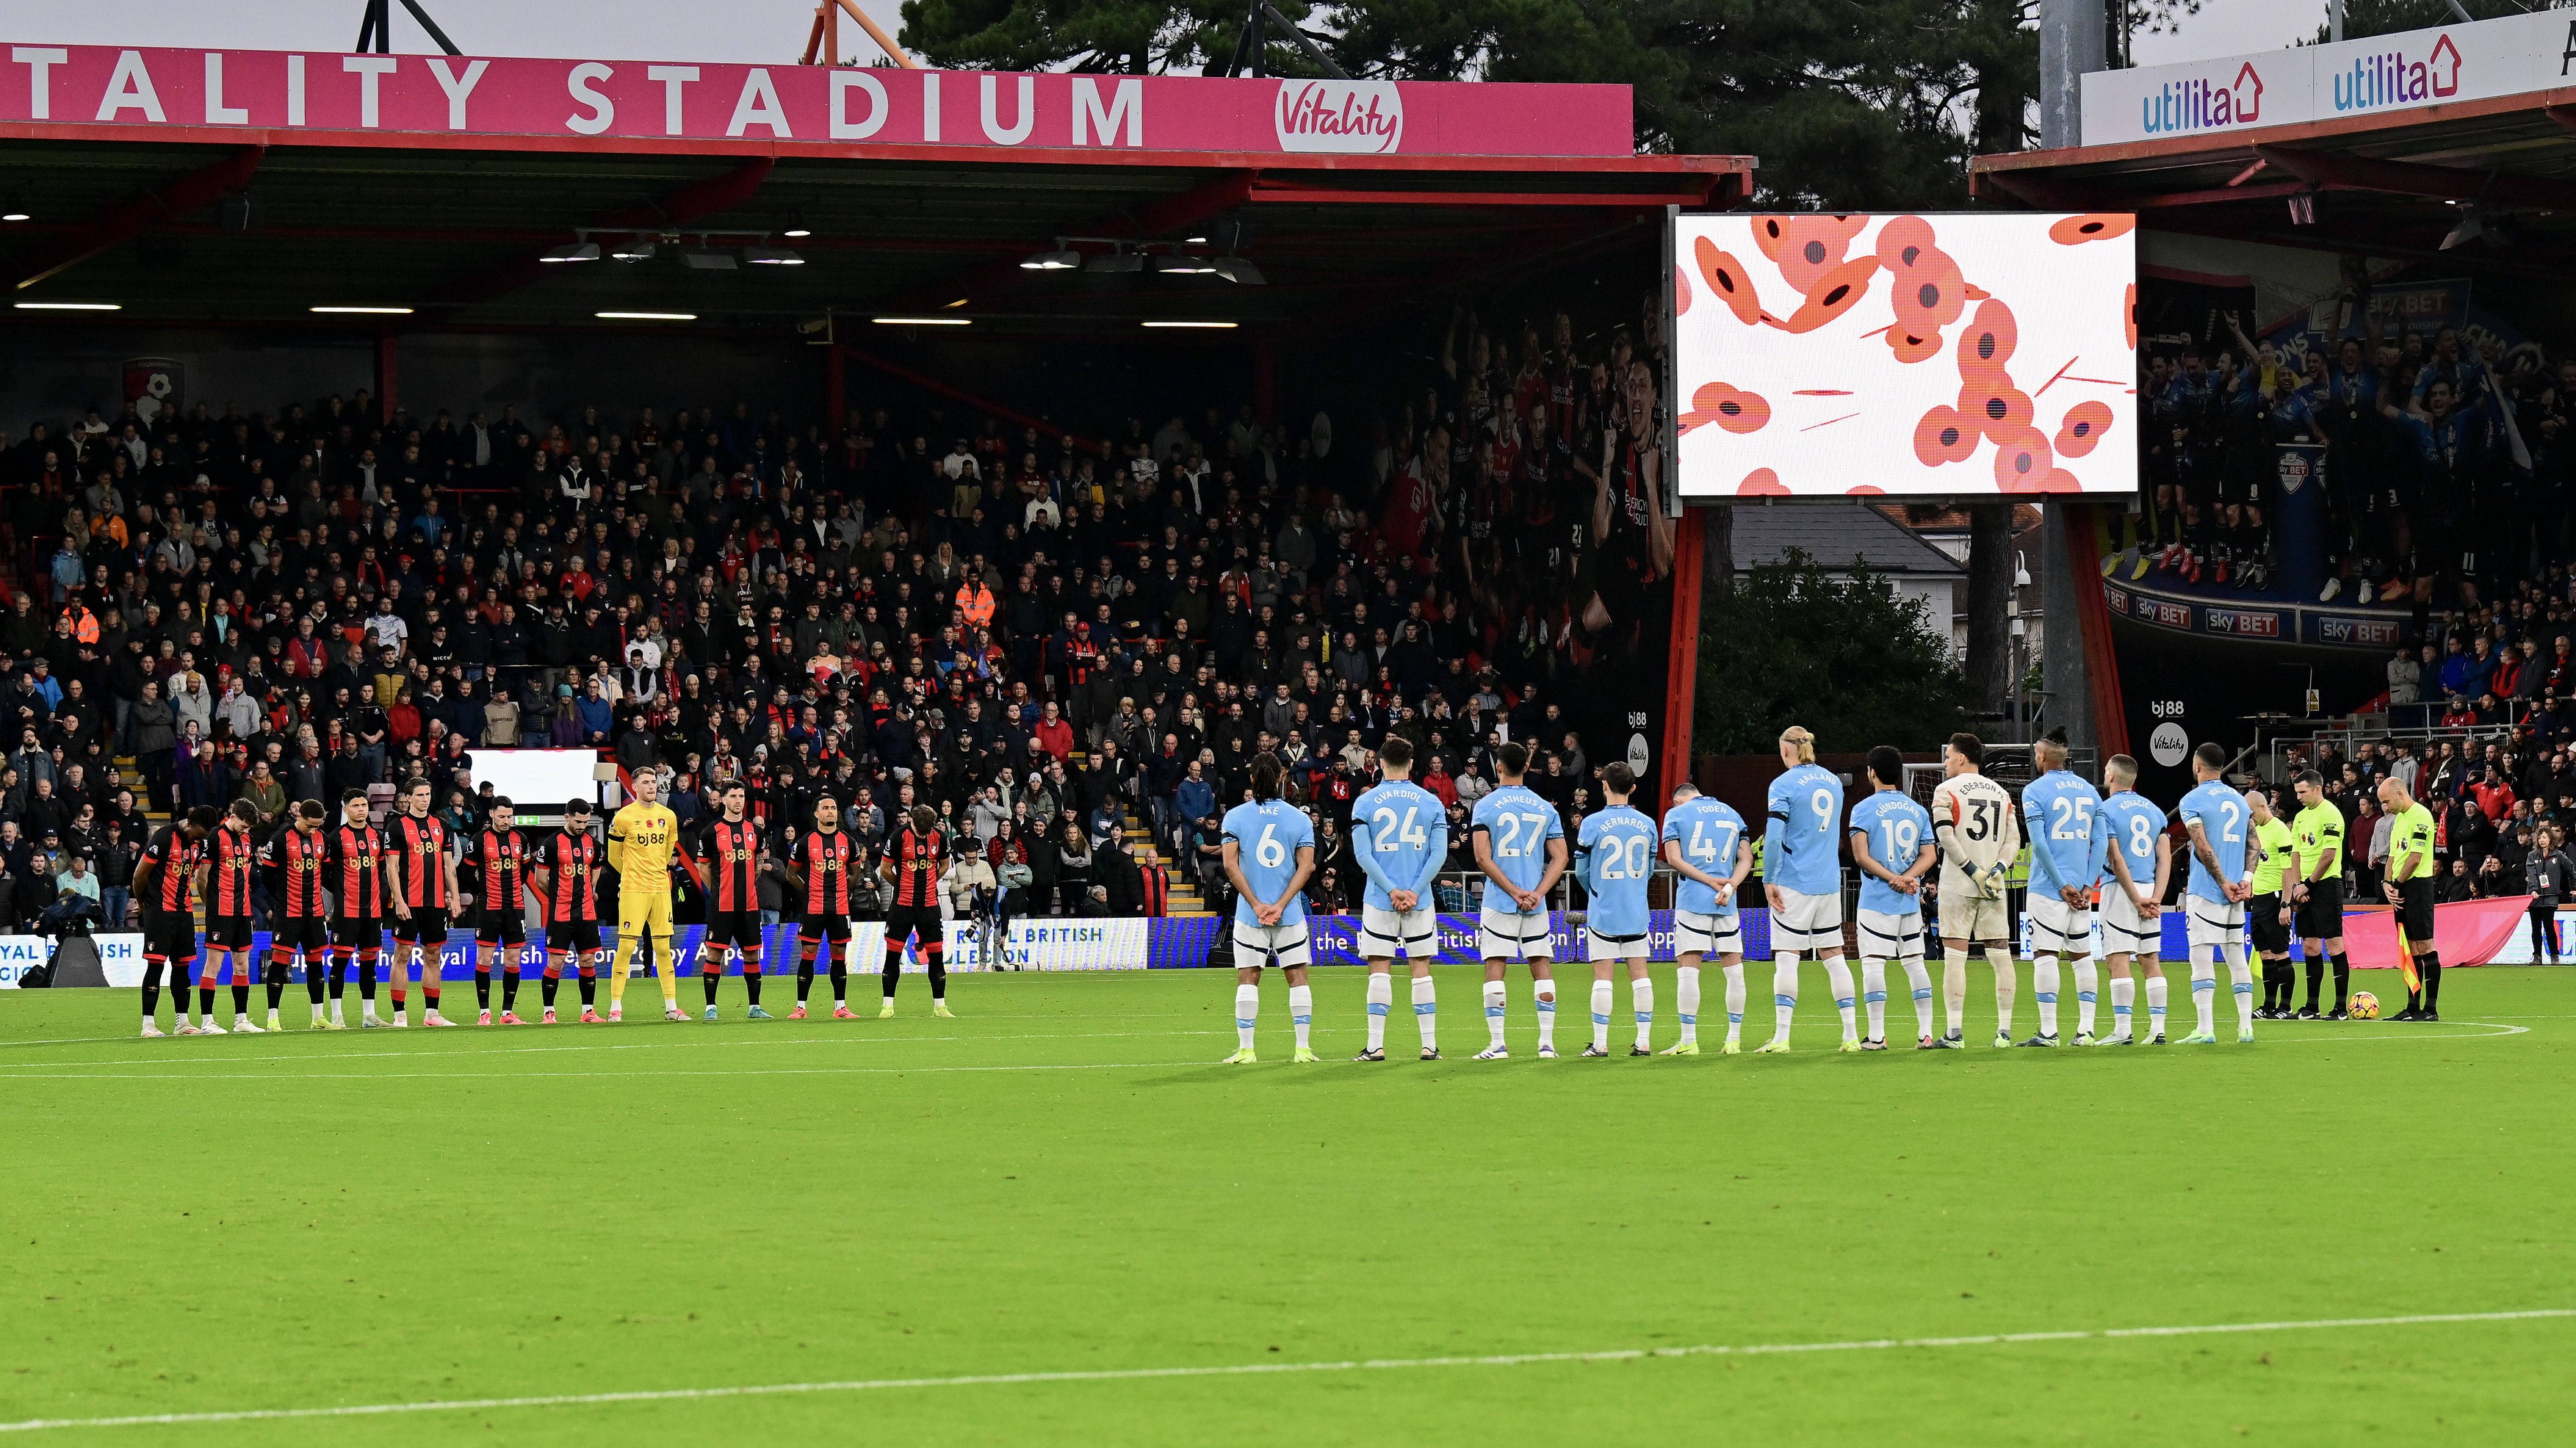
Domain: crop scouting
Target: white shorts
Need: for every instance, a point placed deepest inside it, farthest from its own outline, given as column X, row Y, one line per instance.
column 1891, row 937
column 1600, row 947
column 1510, row 935
column 2125, row 931
column 2220, row 922
column 1385, row 934
column 2057, row 928
column 1807, row 924
column 1254, row 945
column 1980, row 922
column 1708, row 934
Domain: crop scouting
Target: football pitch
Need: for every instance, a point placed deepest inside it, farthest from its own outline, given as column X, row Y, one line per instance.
column 1056, row 1219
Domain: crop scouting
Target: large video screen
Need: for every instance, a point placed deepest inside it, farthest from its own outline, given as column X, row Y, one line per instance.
column 1834, row 356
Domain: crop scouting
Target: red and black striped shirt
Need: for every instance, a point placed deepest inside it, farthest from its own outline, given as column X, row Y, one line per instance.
column 502, row 856
column 297, row 857
column 358, row 871
column 918, row 860
column 733, row 866
column 174, row 858
column 826, row 861
column 420, row 850
column 572, row 892
column 228, row 888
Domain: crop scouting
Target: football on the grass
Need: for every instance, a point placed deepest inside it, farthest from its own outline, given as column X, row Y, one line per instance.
column 2365, row 1006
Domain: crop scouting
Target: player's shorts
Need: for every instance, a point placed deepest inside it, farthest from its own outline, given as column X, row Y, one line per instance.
column 1982, row 921
column 1807, row 924
column 1885, row 935
column 1510, row 935
column 169, row 935
column 920, row 922
column 580, row 936
column 358, row 932
column 297, row 933
column 1696, row 934
column 2125, row 931
column 228, row 932
column 1599, row 947
column 1257, row 945
column 2415, row 912
column 644, row 915
column 829, row 928
column 501, row 927
column 2213, row 922
column 2321, row 914
column 2057, row 928
column 426, row 926
column 1385, row 934
column 733, row 928
column 2271, row 933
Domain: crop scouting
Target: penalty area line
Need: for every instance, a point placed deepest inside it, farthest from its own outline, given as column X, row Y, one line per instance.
column 1117, row 1375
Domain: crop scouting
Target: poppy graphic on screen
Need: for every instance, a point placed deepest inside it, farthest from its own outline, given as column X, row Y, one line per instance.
column 1921, row 355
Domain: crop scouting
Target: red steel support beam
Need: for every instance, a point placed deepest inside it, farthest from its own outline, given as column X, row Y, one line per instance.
column 1681, row 679
column 201, row 187
column 1172, row 213
column 689, row 203
column 2413, row 178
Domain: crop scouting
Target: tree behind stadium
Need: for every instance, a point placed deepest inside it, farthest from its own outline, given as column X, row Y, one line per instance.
column 1794, row 644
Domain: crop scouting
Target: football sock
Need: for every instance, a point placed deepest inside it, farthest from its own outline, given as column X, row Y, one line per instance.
column 241, row 993
column 152, row 992
column 1954, row 989
column 1247, row 1009
column 367, row 978
column 1784, row 994
column 662, row 967
column 804, row 972
column 1426, row 1011
column 1641, row 1000
column 2342, row 978
column 617, row 977
column 1601, row 997
column 935, row 960
column 1838, row 975
column 589, row 982
column 1686, row 1000
column 2431, row 965
column 483, row 987
column 1919, row 979
column 2043, row 989
column 1494, row 1011
column 841, row 975
column 549, row 983
column 2124, row 997
column 205, row 1002
column 1381, row 999
column 1301, row 1013
column 2316, row 980
column 2007, row 986
column 710, row 979
column 2204, row 986
column 1546, row 993
column 2156, row 989
column 2240, row 975
column 275, row 978
column 1734, row 999
column 893, row 967
column 751, row 978
column 1873, row 994
column 2088, row 989
column 316, row 975
column 339, row 966
column 509, row 988
column 430, row 966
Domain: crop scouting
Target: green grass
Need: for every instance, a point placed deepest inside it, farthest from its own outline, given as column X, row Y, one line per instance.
column 1061, row 1180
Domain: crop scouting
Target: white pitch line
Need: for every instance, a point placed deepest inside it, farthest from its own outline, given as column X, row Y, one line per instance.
column 1115, row 1375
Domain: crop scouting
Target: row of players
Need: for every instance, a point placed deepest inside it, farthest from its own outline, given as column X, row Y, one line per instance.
column 339, row 892
column 2081, row 842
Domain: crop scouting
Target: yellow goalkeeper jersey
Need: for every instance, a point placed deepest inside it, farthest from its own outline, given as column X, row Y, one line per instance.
column 640, row 840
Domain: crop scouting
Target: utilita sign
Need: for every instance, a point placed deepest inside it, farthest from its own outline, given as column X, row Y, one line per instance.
column 346, row 99
column 2511, row 56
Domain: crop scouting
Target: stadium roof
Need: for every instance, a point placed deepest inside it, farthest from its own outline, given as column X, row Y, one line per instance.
column 1834, row 537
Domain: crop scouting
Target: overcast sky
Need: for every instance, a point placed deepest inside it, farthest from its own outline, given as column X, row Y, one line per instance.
column 747, row 31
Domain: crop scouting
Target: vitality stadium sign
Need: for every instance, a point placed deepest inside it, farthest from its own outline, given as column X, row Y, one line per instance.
column 343, row 99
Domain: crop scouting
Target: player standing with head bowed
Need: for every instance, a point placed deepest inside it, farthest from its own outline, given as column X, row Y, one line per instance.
column 501, row 853
column 1269, row 853
column 171, row 869
column 1520, row 845
column 2410, row 889
column 820, row 867
column 1615, row 851
column 1704, row 842
column 230, row 855
column 914, row 860
column 2068, row 842
column 1891, row 841
column 2141, row 861
column 300, row 925
column 1979, row 832
column 422, row 882
column 2274, row 848
column 1400, row 834
column 734, row 856
column 1802, row 878
column 567, row 880
column 2316, row 891
column 2217, row 819
column 643, row 837
column 357, row 870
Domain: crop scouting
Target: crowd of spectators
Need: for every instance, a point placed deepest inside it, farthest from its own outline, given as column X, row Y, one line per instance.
column 1033, row 633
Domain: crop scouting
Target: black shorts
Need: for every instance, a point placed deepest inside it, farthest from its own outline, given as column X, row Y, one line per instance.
column 2321, row 914
column 502, row 927
column 908, row 921
column 169, row 935
column 2415, row 913
column 834, row 929
column 300, row 933
column 427, row 926
column 732, row 927
column 358, row 932
column 228, row 932
column 581, row 936
column 2263, row 916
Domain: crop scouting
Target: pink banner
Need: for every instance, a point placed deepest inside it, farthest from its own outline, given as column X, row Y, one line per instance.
column 2465, row 932
column 623, row 99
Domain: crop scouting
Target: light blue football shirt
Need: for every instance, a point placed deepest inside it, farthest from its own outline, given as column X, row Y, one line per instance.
column 1896, row 828
column 1708, row 830
column 2130, row 823
column 1267, row 836
column 2222, row 814
column 1800, row 850
column 2067, row 844
column 1401, row 835
column 1615, row 849
column 1517, row 825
